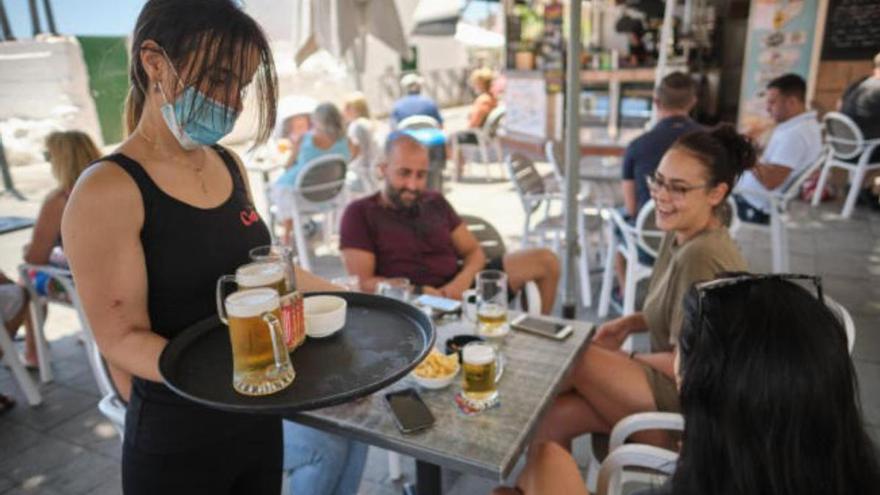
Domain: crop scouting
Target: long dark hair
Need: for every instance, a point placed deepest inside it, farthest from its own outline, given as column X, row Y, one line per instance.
column 208, row 35
column 769, row 396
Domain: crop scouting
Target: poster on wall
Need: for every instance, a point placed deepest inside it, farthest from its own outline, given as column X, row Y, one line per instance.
column 779, row 41
column 526, row 103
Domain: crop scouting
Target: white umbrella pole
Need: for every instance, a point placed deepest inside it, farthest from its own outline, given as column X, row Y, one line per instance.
column 572, row 158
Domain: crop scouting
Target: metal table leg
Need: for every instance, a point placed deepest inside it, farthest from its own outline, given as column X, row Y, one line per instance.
column 428, row 479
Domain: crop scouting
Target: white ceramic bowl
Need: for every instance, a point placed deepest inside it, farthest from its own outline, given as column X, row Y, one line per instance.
column 436, row 383
column 324, row 315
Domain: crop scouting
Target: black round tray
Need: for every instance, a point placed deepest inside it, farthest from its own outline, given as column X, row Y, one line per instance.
column 383, row 339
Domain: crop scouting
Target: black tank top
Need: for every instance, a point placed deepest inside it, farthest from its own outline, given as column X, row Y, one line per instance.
column 186, row 249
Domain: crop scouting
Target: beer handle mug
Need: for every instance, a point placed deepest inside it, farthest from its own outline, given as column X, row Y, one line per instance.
column 491, row 287
column 261, row 365
column 292, row 315
column 481, row 370
column 222, row 282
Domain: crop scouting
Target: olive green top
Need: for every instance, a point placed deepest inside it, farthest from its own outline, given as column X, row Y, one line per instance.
column 699, row 259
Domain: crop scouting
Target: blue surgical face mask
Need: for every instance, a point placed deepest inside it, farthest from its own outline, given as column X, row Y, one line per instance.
column 196, row 120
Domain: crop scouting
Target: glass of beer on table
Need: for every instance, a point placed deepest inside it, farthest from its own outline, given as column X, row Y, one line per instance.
column 491, row 289
column 480, row 373
column 260, row 362
column 292, row 318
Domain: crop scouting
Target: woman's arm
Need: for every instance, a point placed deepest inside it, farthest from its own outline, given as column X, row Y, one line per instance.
column 611, row 334
column 101, row 231
column 46, row 230
column 660, row 361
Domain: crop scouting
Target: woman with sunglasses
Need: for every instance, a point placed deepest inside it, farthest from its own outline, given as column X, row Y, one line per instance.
column 689, row 188
column 150, row 228
column 768, row 393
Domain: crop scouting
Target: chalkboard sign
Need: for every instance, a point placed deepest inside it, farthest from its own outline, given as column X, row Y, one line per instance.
column 852, row 31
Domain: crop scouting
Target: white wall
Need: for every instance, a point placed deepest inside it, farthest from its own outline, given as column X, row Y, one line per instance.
column 44, row 86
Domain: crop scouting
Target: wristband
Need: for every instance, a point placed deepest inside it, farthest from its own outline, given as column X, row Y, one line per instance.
column 419, row 290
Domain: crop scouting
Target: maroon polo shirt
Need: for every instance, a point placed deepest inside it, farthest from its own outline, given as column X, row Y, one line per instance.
column 415, row 244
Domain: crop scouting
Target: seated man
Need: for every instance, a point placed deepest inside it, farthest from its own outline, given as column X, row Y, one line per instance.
column 861, row 102
column 796, row 143
column 406, row 231
column 413, row 102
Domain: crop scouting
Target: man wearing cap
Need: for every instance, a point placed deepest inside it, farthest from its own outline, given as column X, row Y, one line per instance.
column 406, row 231
column 413, row 102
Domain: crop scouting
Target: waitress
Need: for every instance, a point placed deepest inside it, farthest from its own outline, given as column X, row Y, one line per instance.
column 150, row 228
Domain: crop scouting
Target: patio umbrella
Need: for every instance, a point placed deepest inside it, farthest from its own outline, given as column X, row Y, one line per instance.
column 340, row 26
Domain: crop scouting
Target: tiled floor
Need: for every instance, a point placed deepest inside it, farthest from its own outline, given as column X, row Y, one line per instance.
column 66, row 446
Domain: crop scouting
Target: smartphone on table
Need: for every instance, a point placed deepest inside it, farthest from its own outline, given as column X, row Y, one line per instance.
column 542, row 326
column 441, row 304
column 410, row 413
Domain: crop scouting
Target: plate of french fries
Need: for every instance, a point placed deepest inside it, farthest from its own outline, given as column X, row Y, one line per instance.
column 438, row 370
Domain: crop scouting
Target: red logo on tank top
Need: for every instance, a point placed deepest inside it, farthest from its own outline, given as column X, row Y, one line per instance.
column 249, row 217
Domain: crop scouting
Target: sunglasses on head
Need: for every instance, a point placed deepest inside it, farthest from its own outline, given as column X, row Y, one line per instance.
column 739, row 278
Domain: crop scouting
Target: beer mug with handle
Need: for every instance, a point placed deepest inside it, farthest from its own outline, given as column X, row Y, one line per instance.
column 292, row 315
column 481, row 370
column 260, row 363
column 486, row 304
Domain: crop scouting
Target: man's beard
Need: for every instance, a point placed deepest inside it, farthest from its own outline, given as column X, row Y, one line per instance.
column 394, row 195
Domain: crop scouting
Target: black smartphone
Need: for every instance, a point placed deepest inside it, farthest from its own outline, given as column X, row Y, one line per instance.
column 542, row 327
column 410, row 412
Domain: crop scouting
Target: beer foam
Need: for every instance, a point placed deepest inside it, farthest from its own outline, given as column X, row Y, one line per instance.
column 251, row 302
column 478, row 354
column 259, row 274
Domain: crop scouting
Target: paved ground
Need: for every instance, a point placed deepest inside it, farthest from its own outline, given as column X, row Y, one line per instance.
column 65, row 445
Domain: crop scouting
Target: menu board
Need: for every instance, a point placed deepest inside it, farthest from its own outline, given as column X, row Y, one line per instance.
column 525, row 99
column 852, row 31
column 779, row 41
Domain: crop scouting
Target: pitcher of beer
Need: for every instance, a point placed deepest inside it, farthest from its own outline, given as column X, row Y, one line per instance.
column 292, row 316
column 490, row 308
column 260, row 362
column 481, row 370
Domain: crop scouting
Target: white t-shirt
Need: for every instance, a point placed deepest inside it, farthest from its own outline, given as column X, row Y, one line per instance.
column 796, row 144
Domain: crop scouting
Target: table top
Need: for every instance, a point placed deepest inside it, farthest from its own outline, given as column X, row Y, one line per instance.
column 487, row 444
column 12, row 224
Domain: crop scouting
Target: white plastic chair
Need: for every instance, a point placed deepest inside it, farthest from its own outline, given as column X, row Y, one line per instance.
column 319, row 190
column 779, row 201
column 487, row 139
column 634, row 236
column 418, row 122
column 10, row 357
column 849, row 150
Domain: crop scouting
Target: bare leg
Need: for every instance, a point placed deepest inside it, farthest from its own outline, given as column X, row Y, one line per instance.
column 538, row 265
column 12, row 326
column 616, row 387
column 620, row 271
column 608, row 386
column 569, row 416
column 551, row 469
